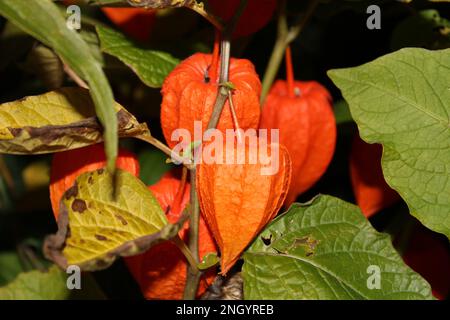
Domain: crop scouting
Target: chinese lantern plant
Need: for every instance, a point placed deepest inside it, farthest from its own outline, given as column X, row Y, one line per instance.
column 161, row 271
column 325, row 248
column 228, row 192
column 190, row 90
column 302, row 112
column 371, row 191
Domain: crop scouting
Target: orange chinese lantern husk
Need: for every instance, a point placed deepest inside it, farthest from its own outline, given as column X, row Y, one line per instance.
column 68, row 165
column 161, row 270
column 302, row 112
column 306, row 127
column 237, row 200
column 189, row 95
column 371, row 191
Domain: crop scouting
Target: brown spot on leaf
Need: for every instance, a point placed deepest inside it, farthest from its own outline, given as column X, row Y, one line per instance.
column 90, row 180
column 71, row 192
column 121, row 219
column 267, row 241
column 15, row 131
column 99, row 237
column 100, row 171
column 79, row 205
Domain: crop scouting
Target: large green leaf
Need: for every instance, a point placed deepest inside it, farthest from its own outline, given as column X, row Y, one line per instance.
column 151, row 66
column 36, row 285
column 326, row 249
column 402, row 100
column 100, row 221
column 43, row 20
column 55, row 121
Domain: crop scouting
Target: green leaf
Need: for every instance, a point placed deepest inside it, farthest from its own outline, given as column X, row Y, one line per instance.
column 342, row 112
column 36, row 285
column 209, row 260
column 325, row 249
column 153, row 166
column 105, row 219
column 402, row 100
column 56, row 121
column 43, row 20
column 10, row 266
column 151, row 66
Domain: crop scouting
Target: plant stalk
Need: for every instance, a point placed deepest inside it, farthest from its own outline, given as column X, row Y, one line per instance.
column 193, row 278
column 284, row 37
column 193, row 274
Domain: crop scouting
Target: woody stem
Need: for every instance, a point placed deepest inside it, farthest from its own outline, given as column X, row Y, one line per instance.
column 285, row 36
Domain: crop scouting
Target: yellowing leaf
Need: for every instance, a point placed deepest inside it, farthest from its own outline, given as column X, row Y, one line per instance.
column 56, row 121
column 42, row 20
column 95, row 228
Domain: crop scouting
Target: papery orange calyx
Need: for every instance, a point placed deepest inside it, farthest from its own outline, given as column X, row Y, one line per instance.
column 189, row 95
column 237, row 200
column 302, row 112
column 371, row 191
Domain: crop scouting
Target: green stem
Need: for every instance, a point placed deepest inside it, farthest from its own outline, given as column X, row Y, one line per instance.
column 187, row 253
column 284, row 37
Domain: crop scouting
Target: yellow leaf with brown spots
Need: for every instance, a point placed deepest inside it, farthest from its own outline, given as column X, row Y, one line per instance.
column 95, row 227
column 56, row 121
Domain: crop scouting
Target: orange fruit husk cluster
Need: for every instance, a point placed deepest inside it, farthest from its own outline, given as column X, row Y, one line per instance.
column 189, row 96
column 302, row 112
column 68, row 165
column 237, row 201
column 161, row 270
column 371, row 191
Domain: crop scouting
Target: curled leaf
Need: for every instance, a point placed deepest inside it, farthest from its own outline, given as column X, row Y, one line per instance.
column 100, row 220
column 56, row 121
